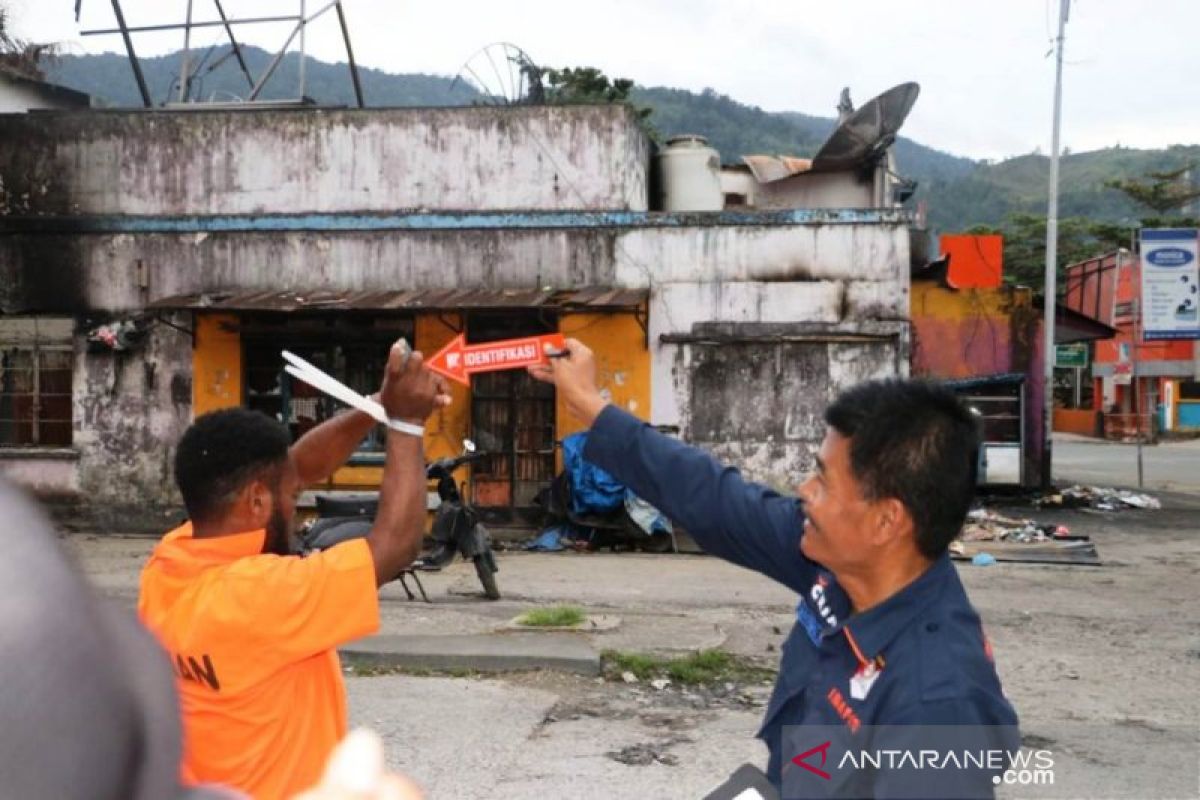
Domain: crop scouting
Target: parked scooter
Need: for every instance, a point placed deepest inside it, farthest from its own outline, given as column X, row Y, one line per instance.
column 456, row 526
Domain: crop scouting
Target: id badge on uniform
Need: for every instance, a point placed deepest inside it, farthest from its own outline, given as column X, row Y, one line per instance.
column 747, row 782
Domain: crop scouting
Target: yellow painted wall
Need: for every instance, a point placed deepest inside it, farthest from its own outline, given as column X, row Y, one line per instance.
column 622, row 364
column 216, row 363
column 446, row 429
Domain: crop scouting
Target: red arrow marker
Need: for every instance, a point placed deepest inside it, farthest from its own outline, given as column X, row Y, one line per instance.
column 459, row 360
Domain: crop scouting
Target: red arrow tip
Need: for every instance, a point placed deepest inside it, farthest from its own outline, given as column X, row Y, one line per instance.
column 449, row 361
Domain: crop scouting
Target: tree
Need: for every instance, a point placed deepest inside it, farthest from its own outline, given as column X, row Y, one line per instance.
column 571, row 85
column 20, row 56
column 1161, row 192
column 1025, row 244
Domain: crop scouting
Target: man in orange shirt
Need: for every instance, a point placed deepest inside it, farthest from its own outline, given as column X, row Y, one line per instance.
column 251, row 629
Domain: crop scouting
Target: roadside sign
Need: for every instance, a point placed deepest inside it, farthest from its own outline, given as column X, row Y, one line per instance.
column 1170, row 284
column 1071, row 355
column 459, row 360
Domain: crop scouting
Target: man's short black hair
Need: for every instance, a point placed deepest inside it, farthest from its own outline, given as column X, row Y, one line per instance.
column 916, row 442
column 222, row 452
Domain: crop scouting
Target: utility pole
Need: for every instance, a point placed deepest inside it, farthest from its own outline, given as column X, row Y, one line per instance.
column 1137, row 393
column 1064, row 7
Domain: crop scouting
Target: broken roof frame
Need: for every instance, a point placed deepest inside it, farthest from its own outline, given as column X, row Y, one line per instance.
column 593, row 298
column 301, row 20
column 600, row 297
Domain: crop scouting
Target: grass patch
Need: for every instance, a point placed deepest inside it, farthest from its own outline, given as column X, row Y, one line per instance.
column 694, row 669
column 553, row 617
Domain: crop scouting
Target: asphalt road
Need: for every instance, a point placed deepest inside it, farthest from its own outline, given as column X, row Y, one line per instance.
column 1173, row 466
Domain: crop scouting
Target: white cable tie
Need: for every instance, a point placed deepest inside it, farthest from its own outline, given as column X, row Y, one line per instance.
column 401, row 426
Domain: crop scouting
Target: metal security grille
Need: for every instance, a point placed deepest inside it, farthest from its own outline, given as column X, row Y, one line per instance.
column 351, row 349
column 36, row 365
column 512, row 417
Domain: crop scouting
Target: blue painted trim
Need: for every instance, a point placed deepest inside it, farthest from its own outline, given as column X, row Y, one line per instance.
column 1186, row 333
column 451, row 221
column 1168, row 234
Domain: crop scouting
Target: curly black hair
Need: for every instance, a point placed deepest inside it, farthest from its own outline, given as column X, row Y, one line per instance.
column 916, row 442
column 223, row 451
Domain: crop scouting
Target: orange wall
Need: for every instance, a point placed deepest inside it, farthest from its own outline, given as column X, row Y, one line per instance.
column 976, row 261
column 1162, row 350
column 446, row 429
column 1075, row 420
column 216, row 363
column 961, row 334
column 622, row 364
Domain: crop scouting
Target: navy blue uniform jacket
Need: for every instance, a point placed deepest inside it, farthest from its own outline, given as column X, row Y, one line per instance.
column 920, row 657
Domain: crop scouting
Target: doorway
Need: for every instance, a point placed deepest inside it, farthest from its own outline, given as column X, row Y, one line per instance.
column 512, row 419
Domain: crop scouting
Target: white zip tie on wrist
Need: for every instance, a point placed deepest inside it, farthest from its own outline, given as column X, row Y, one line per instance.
column 401, row 426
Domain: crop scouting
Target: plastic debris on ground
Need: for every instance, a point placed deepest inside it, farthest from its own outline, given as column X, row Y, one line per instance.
column 989, row 537
column 985, row 525
column 1099, row 498
column 548, row 541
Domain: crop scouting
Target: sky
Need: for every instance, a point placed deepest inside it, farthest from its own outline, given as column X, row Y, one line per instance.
column 1131, row 69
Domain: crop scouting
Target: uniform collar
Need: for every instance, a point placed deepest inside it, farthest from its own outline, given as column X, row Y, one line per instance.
column 181, row 545
column 874, row 629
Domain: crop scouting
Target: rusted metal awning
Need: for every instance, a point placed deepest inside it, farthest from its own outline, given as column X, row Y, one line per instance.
column 413, row 300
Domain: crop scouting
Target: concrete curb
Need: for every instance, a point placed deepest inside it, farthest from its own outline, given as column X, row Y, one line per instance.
column 481, row 653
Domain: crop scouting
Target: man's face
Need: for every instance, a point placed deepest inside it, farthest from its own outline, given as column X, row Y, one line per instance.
column 838, row 518
column 283, row 513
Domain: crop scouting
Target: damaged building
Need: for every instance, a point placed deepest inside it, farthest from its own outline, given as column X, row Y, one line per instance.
column 154, row 263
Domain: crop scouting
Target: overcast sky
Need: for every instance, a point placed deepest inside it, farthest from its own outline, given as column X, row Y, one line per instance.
column 1132, row 74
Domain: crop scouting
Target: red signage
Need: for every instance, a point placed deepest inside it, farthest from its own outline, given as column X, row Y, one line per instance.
column 459, row 360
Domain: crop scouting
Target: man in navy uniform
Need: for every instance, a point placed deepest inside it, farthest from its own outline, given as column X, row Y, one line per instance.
column 885, row 634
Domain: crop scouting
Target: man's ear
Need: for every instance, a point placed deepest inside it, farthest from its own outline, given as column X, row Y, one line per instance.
column 258, row 501
column 891, row 520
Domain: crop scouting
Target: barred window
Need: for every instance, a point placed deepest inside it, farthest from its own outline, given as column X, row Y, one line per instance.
column 36, row 366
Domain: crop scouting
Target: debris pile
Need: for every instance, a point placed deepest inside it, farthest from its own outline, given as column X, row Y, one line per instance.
column 1099, row 498
column 985, row 525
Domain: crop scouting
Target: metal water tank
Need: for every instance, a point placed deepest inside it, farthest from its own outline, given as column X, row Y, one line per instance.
column 689, row 175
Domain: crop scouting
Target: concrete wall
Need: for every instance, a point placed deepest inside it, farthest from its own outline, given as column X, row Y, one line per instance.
column 252, row 161
column 819, row 190
column 129, row 407
column 866, row 264
column 758, row 400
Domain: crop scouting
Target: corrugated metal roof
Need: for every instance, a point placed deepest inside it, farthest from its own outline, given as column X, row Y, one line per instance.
column 773, row 168
column 413, row 300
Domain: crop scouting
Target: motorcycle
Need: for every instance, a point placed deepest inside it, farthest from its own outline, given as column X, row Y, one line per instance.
column 456, row 527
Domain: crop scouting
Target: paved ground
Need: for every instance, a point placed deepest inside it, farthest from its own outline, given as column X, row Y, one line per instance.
column 1171, row 466
column 1101, row 663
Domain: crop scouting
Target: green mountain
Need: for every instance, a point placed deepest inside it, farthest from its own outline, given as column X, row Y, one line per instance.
column 109, row 78
column 958, row 192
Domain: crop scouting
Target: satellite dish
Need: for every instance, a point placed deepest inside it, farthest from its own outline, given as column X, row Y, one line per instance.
column 866, row 133
column 502, row 74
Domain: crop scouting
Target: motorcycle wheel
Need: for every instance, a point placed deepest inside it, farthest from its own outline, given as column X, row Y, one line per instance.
column 486, row 576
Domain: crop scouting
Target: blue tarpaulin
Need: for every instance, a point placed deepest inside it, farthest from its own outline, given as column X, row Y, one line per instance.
column 593, row 491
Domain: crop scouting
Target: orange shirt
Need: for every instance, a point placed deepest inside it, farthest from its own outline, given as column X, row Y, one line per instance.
column 252, row 639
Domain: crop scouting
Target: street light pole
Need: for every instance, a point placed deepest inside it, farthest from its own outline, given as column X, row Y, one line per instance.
column 1137, row 392
column 1052, row 252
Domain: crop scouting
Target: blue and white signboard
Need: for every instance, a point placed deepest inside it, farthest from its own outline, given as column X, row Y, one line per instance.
column 1170, row 284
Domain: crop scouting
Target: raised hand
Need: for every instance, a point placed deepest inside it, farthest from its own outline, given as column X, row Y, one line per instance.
column 573, row 374
column 410, row 391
